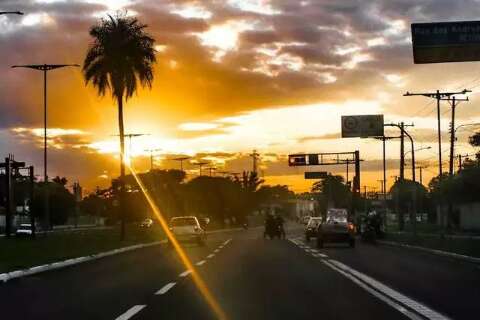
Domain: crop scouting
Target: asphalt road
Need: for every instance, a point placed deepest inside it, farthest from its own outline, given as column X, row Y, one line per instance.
column 253, row 278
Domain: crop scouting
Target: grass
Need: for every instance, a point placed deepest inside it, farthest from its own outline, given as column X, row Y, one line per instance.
column 21, row 253
column 470, row 247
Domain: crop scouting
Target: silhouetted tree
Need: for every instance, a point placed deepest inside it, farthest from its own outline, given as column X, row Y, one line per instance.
column 121, row 56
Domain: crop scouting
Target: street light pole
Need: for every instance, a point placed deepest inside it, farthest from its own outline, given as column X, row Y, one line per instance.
column 45, row 68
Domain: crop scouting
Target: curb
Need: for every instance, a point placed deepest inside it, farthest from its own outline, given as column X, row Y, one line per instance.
column 433, row 251
column 74, row 261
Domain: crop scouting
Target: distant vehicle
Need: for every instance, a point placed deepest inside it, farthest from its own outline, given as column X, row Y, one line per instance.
column 336, row 228
column 187, row 229
column 311, row 228
column 305, row 219
column 25, row 229
column 147, row 223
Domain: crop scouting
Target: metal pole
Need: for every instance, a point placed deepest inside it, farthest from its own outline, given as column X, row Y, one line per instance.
column 45, row 150
column 347, row 171
column 413, row 159
column 151, row 160
column 402, row 152
column 452, row 138
column 384, row 173
column 45, row 175
column 30, row 206
column 439, row 136
column 421, row 180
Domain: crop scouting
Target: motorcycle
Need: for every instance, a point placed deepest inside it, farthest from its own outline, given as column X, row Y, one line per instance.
column 272, row 231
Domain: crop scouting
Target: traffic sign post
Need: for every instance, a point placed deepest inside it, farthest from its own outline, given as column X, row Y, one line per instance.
column 446, row 42
column 362, row 126
column 309, row 175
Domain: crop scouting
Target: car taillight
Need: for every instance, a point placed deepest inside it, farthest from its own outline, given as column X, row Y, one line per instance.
column 351, row 227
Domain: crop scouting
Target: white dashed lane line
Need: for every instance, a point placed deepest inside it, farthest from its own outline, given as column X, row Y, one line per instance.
column 185, row 273
column 216, row 250
column 165, row 288
column 210, row 256
column 131, row 312
column 199, row 263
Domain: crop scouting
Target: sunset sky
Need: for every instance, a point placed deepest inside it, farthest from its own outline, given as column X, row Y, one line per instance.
column 232, row 76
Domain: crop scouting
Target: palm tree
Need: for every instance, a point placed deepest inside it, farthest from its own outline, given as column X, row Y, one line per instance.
column 120, row 57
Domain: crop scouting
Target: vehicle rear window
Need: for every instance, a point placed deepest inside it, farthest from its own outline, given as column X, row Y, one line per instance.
column 181, row 222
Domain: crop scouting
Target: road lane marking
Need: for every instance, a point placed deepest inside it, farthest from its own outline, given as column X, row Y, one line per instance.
column 375, row 293
column 185, row 273
column 390, row 293
column 227, row 242
column 210, row 256
column 220, row 247
column 216, row 250
column 321, row 255
column 199, row 263
column 131, row 312
column 165, row 288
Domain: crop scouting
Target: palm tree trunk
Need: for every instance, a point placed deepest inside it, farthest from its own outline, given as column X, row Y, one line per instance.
column 122, row 168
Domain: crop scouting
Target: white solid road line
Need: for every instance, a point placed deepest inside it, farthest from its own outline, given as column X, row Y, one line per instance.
column 165, row 288
column 185, row 273
column 199, row 263
column 375, row 293
column 392, row 294
column 131, row 312
column 210, row 256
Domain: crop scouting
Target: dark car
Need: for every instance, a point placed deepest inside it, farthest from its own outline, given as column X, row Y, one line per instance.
column 336, row 228
column 311, row 228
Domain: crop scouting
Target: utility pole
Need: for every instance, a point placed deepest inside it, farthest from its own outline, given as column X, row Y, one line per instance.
column 200, row 165
column 45, row 68
column 402, row 126
column 438, row 96
column 211, row 170
column 254, row 156
column 130, row 136
column 151, row 156
column 181, row 159
column 384, row 138
column 402, row 151
column 453, row 102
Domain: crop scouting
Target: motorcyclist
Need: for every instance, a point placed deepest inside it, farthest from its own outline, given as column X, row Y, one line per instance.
column 280, row 222
column 270, row 225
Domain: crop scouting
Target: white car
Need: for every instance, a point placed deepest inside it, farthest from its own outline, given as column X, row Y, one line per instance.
column 187, row 229
column 25, row 229
column 311, row 228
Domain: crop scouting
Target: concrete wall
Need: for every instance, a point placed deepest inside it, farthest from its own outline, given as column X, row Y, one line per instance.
column 469, row 215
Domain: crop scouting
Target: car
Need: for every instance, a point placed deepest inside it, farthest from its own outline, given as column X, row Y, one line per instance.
column 187, row 229
column 336, row 228
column 147, row 223
column 305, row 219
column 311, row 228
column 25, row 229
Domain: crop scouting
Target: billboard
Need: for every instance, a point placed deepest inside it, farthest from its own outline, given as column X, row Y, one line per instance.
column 446, row 42
column 362, row 126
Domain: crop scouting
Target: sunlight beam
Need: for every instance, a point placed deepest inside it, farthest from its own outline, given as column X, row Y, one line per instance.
column 201, row 285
